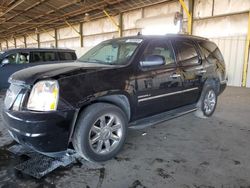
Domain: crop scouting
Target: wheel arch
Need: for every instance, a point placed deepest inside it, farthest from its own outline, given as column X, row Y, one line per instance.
column 119, row 99
column 214, row 82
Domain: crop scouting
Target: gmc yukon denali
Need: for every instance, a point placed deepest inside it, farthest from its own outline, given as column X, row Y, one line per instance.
column 125, row 82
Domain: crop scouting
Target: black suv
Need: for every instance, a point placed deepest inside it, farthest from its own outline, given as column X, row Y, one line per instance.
column 13, row 60
column 120, row 83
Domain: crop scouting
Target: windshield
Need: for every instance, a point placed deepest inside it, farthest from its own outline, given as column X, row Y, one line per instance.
column 114, row 52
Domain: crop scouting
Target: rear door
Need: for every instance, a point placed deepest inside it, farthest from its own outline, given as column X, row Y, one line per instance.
column 191, row 69
column 17, row 61
column 158, row 87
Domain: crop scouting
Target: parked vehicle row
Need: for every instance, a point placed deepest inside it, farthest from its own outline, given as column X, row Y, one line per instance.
column 16, row 59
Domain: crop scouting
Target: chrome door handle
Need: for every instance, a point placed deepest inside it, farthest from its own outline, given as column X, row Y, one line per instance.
column 175, row 76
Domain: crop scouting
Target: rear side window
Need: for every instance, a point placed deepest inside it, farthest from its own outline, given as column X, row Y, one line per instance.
column 44, row 57
column 23, row 58
column 186, row 53
column 37, row 57
column 49, row 56
column 66, row 56
column 211, row 51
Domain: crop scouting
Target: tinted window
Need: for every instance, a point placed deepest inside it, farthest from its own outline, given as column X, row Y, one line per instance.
column 186, row 53
column 13, row 58
column 37, row 57
column 161, row 48
column 23, row 58
column 210, row 51
column 18, row 58
column 49, row 56
column 66, row 56
column 44, row 57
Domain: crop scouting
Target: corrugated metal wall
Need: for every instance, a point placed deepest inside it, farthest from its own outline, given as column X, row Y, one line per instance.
column 233, row 49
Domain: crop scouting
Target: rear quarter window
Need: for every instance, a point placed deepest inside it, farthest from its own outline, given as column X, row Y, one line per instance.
column 211, row 51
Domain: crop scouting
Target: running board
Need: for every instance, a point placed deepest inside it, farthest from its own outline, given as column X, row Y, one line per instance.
column 159, row 118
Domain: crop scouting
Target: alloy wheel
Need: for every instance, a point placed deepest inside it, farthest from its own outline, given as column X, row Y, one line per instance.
column 209, row 102
column 105, row 134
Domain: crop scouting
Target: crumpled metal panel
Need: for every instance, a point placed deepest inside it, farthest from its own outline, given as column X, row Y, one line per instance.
column 40, row 165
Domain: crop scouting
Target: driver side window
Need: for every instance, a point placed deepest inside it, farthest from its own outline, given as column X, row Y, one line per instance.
column 160, row 48
column 13, row 58
column 18, row 58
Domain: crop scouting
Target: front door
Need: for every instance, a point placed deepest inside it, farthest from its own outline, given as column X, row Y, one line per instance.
column 158, row 87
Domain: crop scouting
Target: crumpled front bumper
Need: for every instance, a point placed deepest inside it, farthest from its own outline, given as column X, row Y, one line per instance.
column 45, row 132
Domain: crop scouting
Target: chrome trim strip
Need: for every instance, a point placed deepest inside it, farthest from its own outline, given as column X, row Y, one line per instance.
column 167, row 94
column 19, row 119
column 25, row 134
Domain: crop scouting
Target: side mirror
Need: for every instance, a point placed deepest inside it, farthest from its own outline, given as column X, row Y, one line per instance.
column 153, row 61
column 5, row 62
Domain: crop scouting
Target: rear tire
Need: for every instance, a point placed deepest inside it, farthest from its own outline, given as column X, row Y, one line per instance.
column 100, row 132
column 207, row 102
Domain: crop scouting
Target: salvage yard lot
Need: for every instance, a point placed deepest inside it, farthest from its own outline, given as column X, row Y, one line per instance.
column 184, row 152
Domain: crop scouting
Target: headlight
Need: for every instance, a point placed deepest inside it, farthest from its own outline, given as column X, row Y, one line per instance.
column 44, row 96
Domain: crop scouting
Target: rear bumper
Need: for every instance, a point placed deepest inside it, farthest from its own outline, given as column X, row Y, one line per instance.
column 45, row 132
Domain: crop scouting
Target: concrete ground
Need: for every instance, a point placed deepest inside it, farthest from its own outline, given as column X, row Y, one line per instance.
column 184, row 152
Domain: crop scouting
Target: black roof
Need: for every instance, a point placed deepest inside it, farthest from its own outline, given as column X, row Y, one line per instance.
column 183, row 36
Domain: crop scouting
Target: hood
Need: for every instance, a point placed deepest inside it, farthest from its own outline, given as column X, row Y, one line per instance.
column 30, row 75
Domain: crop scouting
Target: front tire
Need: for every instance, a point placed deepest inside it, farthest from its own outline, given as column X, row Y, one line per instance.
column 207, row 103
column 100, row 132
